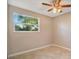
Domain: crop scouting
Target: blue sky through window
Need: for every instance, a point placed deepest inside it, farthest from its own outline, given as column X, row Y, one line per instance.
column 16, row 19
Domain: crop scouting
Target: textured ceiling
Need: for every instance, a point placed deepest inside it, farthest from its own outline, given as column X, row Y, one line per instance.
column 36, row 6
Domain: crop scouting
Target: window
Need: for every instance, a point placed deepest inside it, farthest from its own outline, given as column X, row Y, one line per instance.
column 25, row 23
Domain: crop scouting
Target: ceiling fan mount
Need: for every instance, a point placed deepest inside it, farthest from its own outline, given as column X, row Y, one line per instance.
column 56, row 6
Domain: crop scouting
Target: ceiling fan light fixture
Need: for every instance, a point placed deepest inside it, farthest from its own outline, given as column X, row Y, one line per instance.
column 54, row 10
column 57, row 6
column 59, row 10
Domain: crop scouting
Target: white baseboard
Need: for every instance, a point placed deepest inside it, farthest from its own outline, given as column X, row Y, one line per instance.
column 61, row 47
column 19, row 53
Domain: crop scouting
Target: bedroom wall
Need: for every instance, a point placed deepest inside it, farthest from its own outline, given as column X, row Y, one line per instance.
column 52, row 30
column 22, row 41
column 61, row 26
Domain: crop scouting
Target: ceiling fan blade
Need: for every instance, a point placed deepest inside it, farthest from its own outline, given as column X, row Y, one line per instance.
column 68, row 5
column 46, row 4
column 50, row 9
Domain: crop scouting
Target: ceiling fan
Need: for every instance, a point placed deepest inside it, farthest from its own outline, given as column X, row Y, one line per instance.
column 56, row 6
